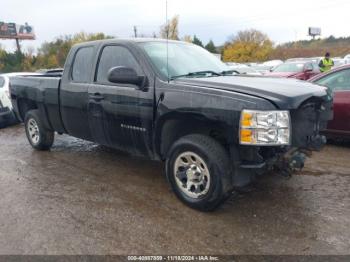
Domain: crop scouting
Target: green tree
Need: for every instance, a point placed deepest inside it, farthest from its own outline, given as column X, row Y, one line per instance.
column 53, row 54
column 248, row 46
column 11, row 62
column 28, row 60
column 197, row 41
column 211, row 47
column 50, row 55
column 2, row 58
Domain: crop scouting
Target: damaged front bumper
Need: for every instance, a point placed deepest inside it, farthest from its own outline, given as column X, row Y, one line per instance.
column 307, row 122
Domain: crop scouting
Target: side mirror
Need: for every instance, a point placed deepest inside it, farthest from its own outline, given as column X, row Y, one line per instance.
column 125, row 75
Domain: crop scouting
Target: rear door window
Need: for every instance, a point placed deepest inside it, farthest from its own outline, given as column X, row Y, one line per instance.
column 82, row 65
column 113, row 56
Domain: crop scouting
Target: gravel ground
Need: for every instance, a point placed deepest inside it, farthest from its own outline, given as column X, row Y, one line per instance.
column 81, row 198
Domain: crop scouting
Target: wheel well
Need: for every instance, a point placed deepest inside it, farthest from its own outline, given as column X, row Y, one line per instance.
column 174, row 129
column 24, row 105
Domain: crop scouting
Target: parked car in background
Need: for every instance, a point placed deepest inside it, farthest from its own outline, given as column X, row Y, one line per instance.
column 347, row 59
column 232, row 64
column 338, row 82
column 6, row 113
column 300, row 70
column 296, row 59
column 272, row 63
column 247, row 70
column 243, row 69
column 260, row 68
column 315, row 59
column 338, row 61
column 253, row 68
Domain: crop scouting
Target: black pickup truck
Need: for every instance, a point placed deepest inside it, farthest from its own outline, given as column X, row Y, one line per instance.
column 175, row 102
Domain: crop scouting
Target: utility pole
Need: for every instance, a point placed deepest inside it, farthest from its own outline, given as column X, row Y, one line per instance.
column 18, row 46
column 135, row 31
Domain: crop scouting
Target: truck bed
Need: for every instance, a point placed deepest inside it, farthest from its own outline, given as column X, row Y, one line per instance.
column 43, row 90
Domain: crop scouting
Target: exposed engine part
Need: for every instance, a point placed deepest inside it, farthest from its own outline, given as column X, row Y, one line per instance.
column 296, row 162
column 290, row 162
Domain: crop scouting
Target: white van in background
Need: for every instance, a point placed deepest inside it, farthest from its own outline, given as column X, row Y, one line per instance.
column 347, row 59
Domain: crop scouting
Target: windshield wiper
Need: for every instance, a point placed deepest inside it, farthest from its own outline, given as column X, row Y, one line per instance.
column 229, row 72
column 198, row 73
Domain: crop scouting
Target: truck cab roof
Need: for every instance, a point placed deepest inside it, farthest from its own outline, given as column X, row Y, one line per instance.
column 128, row 40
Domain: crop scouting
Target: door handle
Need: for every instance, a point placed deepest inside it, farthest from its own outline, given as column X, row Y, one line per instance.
column 97, row 97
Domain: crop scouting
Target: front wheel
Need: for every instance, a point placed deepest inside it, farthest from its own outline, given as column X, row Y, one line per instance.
column 38, row 136
column 199, row 173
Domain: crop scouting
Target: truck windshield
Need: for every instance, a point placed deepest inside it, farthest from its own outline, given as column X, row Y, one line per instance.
column 184, row 60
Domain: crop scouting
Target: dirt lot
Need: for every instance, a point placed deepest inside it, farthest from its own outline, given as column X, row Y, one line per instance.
column 81, row 198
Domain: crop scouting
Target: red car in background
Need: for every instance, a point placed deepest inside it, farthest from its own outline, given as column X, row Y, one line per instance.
column 302, row 70
column 338, row 82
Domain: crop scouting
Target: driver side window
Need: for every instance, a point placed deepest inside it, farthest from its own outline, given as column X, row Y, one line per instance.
column 337, row 81
column 113, row 56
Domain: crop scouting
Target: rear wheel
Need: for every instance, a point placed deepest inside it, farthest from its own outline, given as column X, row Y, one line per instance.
column 199, row 172
column 38, row 136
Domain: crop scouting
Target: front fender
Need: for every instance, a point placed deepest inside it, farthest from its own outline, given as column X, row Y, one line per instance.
column 198, row 109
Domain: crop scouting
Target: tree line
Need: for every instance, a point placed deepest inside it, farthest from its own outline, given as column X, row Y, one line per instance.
column 50, row 55
column 245, row 46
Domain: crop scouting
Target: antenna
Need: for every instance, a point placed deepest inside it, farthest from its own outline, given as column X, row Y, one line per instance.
column 167, row 39
column 135, row 31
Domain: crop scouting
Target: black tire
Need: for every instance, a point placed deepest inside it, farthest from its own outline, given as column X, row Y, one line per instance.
column 216, row 160
column 45, row 137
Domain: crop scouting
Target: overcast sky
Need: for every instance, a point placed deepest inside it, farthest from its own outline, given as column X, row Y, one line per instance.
column 215, row 19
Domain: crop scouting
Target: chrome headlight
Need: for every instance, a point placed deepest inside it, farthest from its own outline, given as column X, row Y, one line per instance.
column 264, row 128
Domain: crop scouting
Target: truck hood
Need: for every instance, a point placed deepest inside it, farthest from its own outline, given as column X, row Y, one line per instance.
column 284, row 93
